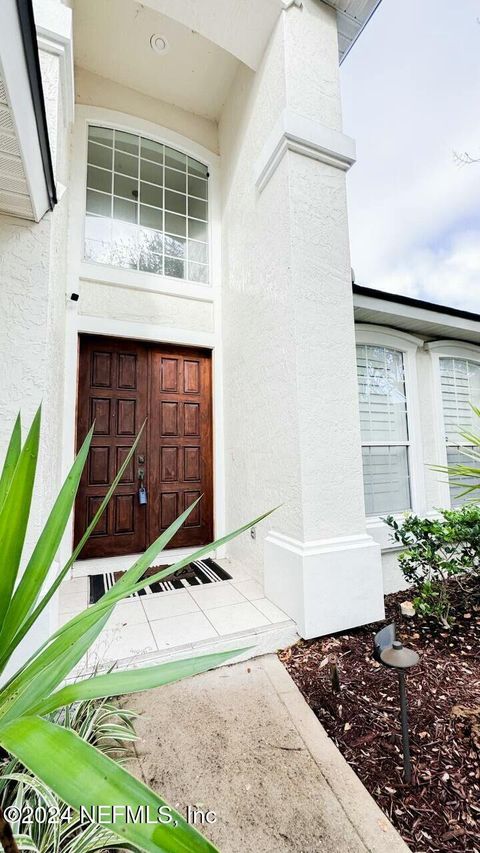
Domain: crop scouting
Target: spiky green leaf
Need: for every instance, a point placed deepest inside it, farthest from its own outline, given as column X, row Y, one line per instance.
column 6, row 653
column 55, row 644
column 11, row 459
column 46, row 671
column 82, row 776
column 115, row 596
column 131, row 681
column 44, row 552
column 15, row 513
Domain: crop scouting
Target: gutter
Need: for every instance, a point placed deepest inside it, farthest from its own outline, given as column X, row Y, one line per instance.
column 359, row 290
column 30, row 47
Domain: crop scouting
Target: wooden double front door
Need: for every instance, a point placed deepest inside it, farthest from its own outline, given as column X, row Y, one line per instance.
column 122, row 384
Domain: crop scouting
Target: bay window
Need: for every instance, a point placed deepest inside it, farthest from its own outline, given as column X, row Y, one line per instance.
column 384, row 429
column 146, row 206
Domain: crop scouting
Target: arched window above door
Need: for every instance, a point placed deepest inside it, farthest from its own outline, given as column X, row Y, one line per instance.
column 146, row 206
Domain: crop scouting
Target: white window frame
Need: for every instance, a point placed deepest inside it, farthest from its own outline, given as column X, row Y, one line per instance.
column 446, row 349
column 382, row 336
column 127, row 278
column 114, row 196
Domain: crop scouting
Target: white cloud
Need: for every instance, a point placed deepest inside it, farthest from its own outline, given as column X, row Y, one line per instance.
column 411, row 87
column 449, row 275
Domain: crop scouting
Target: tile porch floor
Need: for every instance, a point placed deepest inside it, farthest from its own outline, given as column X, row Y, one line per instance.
column 198, row 620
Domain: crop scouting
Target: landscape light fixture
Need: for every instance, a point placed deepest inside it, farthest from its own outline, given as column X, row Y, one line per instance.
column 392, row 653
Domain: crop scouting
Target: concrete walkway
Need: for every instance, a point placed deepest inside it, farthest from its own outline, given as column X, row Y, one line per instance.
column 241, row 741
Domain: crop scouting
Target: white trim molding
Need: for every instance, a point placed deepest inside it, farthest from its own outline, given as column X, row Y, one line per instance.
column 325, row 585
column 135, row 279
column 117, row 277
column 77, row 324
column 144, row 332
column 445, row 349
column 54, row 35
column 408, row 345
column 453, row 349
column 367, row 333
column 80, row 272
column 30, row 200
column 294, row 132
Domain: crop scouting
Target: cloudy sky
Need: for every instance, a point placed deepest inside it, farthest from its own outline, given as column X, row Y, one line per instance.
column 411, row 99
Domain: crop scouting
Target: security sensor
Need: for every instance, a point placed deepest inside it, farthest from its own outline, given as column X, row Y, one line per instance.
column 74, row 297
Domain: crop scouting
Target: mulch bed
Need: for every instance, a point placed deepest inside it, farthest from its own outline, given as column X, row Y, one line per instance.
column 357, row 702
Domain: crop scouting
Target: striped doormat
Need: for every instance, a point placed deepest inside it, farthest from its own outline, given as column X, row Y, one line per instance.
column 195, row 574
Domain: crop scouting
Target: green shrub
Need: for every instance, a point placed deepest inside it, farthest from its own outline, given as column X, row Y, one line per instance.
column 438, row 551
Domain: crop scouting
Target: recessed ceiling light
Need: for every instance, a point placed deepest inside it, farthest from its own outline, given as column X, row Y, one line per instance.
column 159, row 43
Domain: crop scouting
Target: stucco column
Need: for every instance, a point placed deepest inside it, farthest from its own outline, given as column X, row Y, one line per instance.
column 32, row 303
column 330, row 577
column 320, row 566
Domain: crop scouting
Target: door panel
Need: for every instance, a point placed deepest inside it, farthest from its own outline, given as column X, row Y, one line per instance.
column 113, row 392
column 120, row 384
column 181, row 442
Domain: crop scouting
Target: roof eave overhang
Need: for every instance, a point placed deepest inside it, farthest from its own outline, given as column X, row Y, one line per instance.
column 31, row 192
column 352, row 18
column 428, row 319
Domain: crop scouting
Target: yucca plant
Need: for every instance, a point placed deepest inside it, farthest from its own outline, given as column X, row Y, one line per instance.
column 77, row 772
column 100, row 723
column 465, row 477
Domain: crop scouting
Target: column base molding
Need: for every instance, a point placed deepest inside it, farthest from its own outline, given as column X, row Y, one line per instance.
column 325, row 585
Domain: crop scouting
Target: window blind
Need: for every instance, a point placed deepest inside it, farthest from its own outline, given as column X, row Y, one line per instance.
column 384, row 429
column 460, row 384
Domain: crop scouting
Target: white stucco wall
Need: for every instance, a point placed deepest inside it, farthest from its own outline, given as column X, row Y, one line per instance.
column 393, row 579
column 55, row 325
column 28, row 293
column 287, row 313
column 330, row 438
column 102, row 300
column 311, row 64
column 92, row 90
column 32, row 310
column 262, row 460
column 24, row 270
